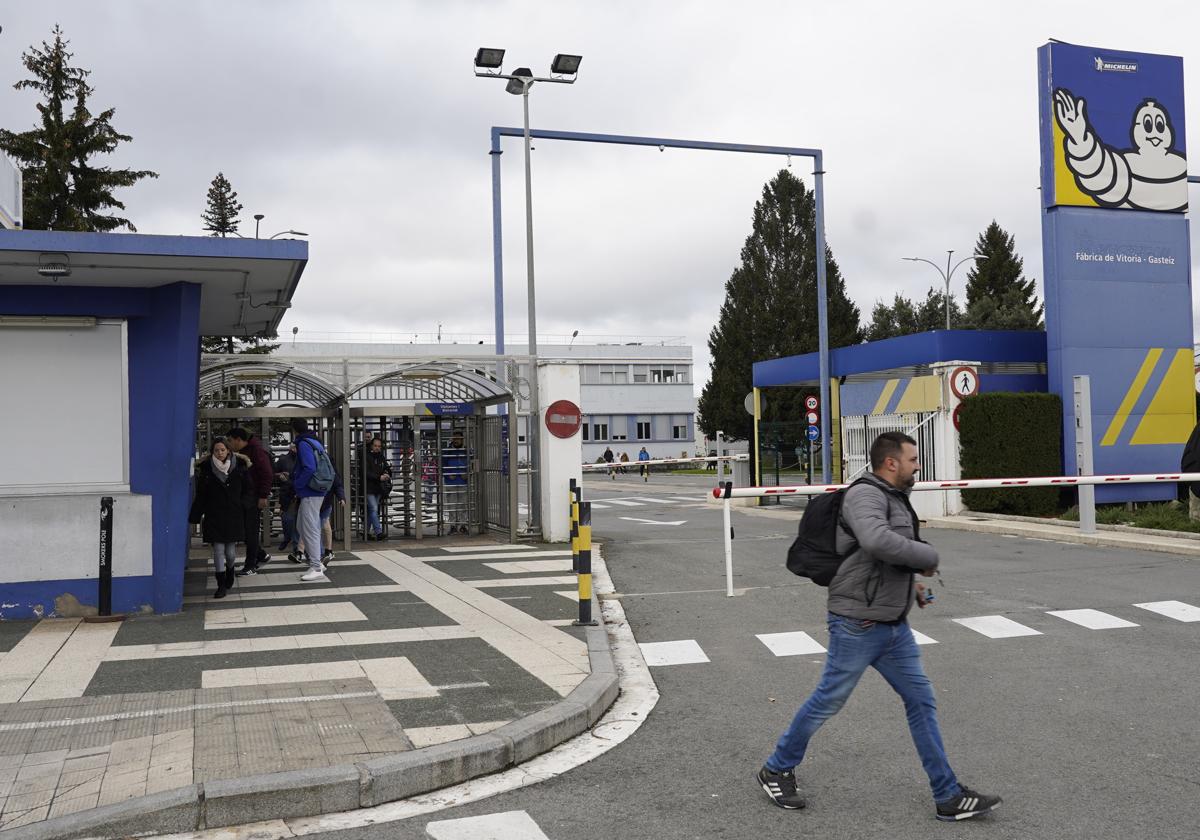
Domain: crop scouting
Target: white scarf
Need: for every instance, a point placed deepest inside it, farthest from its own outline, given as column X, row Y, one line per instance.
column 223, row 467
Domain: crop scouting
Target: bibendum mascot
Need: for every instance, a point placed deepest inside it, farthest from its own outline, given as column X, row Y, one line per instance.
column 1150, row 176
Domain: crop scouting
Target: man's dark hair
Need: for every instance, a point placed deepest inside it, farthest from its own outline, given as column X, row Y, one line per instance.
column 376, row 438
column 239, row 433
column 299, row 425
column 888, row 445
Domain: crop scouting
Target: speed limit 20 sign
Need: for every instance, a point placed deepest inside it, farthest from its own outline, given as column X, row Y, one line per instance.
column 811, row 403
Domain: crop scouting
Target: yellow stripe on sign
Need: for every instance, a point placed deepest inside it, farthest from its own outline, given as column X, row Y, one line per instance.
column 885, row 397
column 1131, row 396
column 585, row 587
column 1171, row 415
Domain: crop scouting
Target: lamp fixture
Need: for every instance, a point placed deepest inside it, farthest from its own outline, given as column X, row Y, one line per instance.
column 489, row 58
column 54, row 265
column 565, row 65
column 515, row 85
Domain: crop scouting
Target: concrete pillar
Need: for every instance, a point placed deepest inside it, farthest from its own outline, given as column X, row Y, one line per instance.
column 560, row 457
column 949, row 462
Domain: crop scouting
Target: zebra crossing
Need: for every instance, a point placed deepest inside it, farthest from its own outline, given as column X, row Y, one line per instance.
column 800, row 643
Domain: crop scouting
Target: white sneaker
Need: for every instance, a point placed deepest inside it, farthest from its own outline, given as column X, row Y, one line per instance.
column 313, row 574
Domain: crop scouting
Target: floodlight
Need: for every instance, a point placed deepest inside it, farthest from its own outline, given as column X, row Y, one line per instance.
column 489, row 58
column 565, row 65
column 515, row 85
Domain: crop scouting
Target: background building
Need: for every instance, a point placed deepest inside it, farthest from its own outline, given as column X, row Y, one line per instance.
column 635, row 392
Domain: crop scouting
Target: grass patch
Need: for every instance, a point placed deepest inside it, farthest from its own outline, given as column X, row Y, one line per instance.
column 1161, row 516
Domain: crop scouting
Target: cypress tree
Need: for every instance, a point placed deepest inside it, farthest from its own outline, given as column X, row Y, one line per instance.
column 770, row 308
column 998, row 295
column 221, row 215
column 63, row 188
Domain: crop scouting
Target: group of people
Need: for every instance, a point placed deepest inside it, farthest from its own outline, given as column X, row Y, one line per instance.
column 616, row 464
column 233, row 486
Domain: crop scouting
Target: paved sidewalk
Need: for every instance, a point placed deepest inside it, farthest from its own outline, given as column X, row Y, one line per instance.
column 396, row 650
column 1141, row 539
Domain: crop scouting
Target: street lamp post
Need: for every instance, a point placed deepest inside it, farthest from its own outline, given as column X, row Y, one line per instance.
column 948, row 273
column 563, row 70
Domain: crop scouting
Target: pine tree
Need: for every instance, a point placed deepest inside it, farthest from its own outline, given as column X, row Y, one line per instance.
column 221, row 215
column 903, row 317
column 770, row 309
column 998, row 295
column 63, row 189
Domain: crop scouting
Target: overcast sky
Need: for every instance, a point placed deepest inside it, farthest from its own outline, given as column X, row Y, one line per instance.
column 362, row 124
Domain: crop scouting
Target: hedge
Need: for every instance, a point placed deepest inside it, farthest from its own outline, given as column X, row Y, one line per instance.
column 1003, row 435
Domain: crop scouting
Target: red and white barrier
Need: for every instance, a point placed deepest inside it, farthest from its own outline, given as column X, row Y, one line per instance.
column 729, row 492
column 967, row 484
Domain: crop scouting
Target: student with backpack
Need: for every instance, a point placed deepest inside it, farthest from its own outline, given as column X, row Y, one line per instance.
column 311, row 481
column 864, row 543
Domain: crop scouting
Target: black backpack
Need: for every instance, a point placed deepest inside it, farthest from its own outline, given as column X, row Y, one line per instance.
column 814, row 553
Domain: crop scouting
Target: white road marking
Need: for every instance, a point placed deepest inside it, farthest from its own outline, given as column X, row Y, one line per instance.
column 511, row 825
column 75, row 663
column 225, row 647
column 556, row 658
column 683, row 652
column 1092, row 619
column 996, row 626
column 921, row 639
column 652, row 521
column 599, row 506
column 236, row 618
column 395, row 678
column 790, row 644
column 496, row 583
column 236, row 597
column 1173, row 609
column 24, row 663
column 520, row 555
column 468, row 549
column 532, row 567
column 622, row 503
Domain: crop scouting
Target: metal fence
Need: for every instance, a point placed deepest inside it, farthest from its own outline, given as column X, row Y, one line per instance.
column 859, row 432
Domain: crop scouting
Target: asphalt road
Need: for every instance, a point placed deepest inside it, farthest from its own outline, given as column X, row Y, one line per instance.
column 1085, row 733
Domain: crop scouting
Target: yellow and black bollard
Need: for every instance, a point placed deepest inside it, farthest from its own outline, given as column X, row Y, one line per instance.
column 585, row 565
column 576, row 495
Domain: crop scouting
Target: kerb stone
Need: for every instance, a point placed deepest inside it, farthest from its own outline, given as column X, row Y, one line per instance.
column 420, row 771
column 294, row 793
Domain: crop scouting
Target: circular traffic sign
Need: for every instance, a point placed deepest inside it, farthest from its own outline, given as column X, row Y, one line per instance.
column 954, row 417
column 813, row 418
column 811, row 402
column 563, row 419
column 813, row 433
column 964, row 382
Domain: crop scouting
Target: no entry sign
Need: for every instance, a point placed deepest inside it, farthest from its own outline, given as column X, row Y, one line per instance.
column 563, row 419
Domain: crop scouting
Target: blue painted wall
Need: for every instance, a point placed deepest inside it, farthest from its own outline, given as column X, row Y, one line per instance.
column 164, row 370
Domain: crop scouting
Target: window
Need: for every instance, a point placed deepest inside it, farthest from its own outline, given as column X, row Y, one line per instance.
column 599, row 431
column 586, row 429
column 613, row 374
column 589, row 374
column 679, row 433
column 682, row 373
column 618, row 437
column 643, row 430
column 664, row 374
column 641, row 373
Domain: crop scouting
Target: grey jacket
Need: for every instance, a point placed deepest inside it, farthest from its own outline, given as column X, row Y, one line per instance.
column 875, row 582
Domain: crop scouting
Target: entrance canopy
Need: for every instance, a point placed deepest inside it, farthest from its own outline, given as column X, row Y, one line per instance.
column 246, row 284
column 1001, row 352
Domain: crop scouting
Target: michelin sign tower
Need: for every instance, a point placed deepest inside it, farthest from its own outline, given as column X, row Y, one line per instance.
column 1116, row 256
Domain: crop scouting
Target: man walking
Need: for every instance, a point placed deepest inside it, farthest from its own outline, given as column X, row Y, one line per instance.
column 645, row 456
column 308, row 519
column 262, row 476
column 869, row 600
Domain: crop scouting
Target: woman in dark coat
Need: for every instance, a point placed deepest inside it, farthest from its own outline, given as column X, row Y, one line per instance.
column 223, row 492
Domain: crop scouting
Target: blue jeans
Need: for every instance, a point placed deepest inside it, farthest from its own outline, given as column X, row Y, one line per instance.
column 373, row 526
column 854, row 646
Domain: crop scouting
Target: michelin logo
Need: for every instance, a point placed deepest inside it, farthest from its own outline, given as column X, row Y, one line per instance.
column 1115, row 66
column 1148, row 176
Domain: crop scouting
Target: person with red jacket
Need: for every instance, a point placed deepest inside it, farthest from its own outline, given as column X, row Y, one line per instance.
column 262, row 476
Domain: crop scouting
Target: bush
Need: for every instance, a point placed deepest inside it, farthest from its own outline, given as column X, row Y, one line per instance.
column 1005, row 435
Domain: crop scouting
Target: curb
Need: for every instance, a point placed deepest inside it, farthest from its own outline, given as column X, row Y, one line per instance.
column 1067, row 523
column 345, row 787
column 1047, row 531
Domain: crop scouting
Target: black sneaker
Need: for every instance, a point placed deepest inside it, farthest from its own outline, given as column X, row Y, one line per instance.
column 967, row 804
column 263, row 560
column 781, row 788
column 296, row 557
column 327, row 558
column 246, row 571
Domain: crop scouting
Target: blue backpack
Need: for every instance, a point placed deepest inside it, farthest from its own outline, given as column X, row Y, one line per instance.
column 322, row 477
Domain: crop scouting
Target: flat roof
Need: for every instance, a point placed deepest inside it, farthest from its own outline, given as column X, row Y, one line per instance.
column 239, row 278
column 906, row 355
